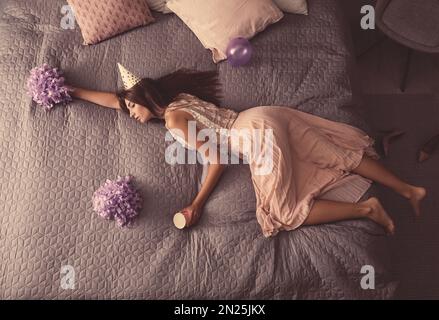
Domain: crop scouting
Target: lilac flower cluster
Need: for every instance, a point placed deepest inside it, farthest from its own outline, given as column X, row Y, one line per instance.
column 46, row 86
column 117, row 199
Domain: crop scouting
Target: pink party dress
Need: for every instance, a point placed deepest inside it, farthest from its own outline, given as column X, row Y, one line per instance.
column 311, row 157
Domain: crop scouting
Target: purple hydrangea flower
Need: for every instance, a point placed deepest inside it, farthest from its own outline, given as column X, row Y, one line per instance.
column 46, row 86
column 117, row 199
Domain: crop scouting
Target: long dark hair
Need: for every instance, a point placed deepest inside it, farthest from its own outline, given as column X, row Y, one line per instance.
column 156, row 94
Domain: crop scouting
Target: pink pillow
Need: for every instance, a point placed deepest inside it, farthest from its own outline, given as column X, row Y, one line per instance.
column 102, row 19
column 216, row 22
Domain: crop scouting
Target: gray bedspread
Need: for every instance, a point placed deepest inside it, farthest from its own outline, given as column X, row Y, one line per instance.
column 51, row 163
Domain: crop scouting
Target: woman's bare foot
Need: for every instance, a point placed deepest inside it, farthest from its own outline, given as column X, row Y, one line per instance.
column 377, row 214
column 415, row 195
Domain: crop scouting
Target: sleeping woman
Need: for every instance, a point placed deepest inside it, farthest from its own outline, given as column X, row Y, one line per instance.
column 309, row 155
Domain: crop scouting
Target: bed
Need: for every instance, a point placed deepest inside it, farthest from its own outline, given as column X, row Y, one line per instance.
column 52, row 162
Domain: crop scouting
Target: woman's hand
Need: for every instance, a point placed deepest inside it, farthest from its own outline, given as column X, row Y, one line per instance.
column 193, row 212
column 72, row 90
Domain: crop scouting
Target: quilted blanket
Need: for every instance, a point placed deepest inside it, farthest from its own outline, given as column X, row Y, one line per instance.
column 52, row 244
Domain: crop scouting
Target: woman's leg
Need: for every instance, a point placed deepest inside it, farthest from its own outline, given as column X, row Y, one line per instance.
column 325, row 211
column 375, row 171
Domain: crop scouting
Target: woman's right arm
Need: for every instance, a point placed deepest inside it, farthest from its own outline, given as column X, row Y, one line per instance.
column 104, row 99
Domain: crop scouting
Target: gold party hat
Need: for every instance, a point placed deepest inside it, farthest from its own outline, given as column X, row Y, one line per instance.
column 129, row 80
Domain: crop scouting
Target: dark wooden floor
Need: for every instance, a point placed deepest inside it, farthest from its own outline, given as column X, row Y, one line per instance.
column 416, row 111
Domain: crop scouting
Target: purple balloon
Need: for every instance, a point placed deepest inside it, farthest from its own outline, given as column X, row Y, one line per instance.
column 239, row 52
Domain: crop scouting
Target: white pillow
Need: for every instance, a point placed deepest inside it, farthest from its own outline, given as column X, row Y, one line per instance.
column 293, row 6
column 216, row 22
column 158, row 5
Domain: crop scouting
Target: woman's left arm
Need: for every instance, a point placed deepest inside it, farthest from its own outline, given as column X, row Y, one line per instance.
column 214, row 171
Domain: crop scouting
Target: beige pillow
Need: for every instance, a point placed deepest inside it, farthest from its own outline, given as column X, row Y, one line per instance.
column 158, row 5
column 293, row 6
column 102, row 19
column 216, row 22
